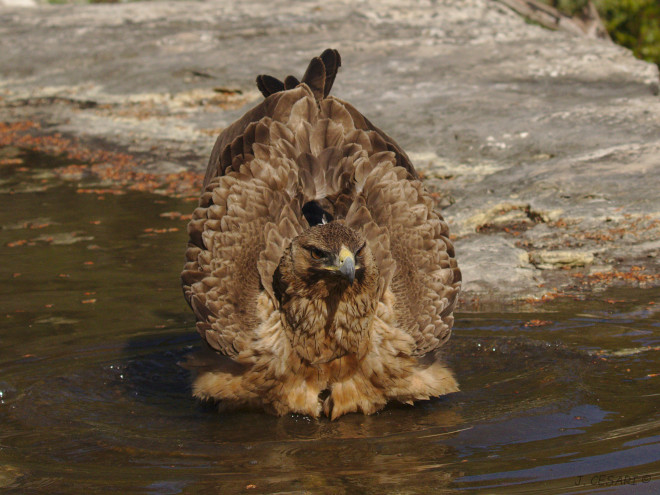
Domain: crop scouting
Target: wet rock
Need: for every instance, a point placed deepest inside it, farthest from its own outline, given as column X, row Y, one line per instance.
column 63, row 238
column 547, row 260
column 533, row 140
column 491, row 264
column 508, row 216
column 56, row 320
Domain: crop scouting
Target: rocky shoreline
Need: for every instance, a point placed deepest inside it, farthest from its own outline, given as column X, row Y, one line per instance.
column 542, row 148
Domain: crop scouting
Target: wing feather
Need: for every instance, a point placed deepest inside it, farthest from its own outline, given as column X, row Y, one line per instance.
column 300, row 145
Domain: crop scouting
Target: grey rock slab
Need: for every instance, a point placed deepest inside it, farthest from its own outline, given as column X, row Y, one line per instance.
column 492, row 110
column 489, row 262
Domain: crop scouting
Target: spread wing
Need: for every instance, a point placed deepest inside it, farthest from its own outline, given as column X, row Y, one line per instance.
column 426, row 280
column 301, row 147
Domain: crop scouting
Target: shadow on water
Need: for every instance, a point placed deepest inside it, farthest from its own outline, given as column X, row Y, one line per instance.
column 155, row 377
column 91, row 397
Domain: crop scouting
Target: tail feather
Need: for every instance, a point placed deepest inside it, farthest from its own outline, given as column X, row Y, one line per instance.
column 291, row 82
column 319, row 76
column 332, row 61
column 315, row 77
column 269, row 85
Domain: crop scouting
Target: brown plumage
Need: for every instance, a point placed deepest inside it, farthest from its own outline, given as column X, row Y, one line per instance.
column 322, row 278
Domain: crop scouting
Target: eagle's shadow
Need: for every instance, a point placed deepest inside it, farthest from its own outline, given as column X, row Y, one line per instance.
column 148, row 370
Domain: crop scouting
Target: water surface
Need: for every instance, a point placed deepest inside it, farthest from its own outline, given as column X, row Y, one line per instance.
column 563, row 399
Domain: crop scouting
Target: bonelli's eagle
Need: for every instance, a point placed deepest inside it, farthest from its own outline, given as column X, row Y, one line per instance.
column 322, row 278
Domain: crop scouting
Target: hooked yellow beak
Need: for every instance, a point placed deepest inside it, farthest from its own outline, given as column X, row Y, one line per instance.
column 347, row 264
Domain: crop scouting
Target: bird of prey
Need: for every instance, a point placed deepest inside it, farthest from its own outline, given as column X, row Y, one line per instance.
column 322, row 278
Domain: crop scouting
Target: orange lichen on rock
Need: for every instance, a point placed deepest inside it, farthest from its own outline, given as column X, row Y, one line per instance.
column 119, row 168
column 636, row 275
column 549, row 296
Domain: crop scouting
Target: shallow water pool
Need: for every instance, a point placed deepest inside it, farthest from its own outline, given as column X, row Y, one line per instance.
column 562, row 400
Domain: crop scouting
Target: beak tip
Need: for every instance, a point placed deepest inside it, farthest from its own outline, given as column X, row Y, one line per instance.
column 347, row 269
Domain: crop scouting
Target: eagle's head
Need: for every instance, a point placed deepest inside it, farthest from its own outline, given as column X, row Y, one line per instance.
column 332, row 254
column 326, row 260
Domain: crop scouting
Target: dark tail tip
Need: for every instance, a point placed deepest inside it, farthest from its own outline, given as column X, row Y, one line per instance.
column 332, row 61
column 269, row 85
column 315, row 77
column 291, row 82
column 319, row 76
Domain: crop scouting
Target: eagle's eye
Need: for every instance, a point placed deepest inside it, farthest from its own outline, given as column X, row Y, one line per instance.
column 317, row 254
